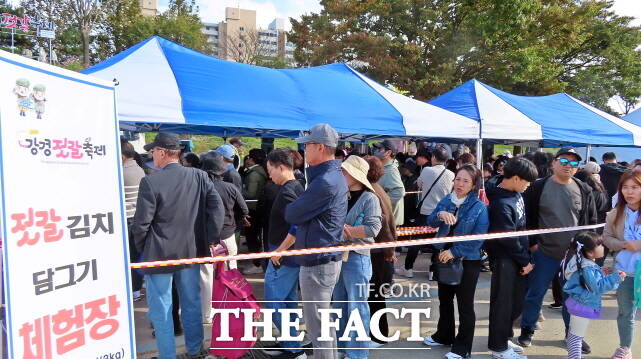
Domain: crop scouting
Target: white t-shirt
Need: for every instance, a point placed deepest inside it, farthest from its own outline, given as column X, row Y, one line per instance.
column 441, row 189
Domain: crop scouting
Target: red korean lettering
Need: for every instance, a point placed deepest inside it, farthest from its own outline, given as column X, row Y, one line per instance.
column 9, row 20
column 24, row 23
column 106, row 326
column 36, row 339
column 48, row 221
column 24, row 221
column 68, row 326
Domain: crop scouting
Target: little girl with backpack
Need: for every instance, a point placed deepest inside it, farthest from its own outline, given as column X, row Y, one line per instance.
column 585, row 285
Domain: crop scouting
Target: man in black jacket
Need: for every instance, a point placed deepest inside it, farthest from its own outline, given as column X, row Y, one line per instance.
column 559, row 200
column 509, row 257
column 281, row 276
column 234, row 207
column 610, row 174
column 178, row 216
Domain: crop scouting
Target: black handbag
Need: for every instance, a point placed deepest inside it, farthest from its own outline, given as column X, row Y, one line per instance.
column 451, row 272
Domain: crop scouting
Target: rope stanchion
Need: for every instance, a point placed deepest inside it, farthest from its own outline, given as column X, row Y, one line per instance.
column 352, row 247
column 408, row 231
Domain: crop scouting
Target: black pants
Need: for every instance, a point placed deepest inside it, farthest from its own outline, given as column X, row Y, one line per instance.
column 382, row 273
column 253, row 235
column 175, row 302
column 557, row 289
column 464, row 292
column 136, row 278
column 413, row 251
column 506, row 301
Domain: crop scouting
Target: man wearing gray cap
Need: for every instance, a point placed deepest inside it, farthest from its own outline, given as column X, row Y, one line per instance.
column 317, row 217
column 391, row 180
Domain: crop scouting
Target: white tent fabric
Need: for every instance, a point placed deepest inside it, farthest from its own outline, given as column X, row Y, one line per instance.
column 165, row 86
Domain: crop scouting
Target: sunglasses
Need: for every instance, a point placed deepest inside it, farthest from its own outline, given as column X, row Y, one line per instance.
column 565, row 162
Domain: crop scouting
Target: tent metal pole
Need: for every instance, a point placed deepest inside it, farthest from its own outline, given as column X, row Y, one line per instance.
column 479, row 153
column 588, row 153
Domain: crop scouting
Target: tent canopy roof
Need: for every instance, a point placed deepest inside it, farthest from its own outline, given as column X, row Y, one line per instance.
column 554, row 119
column 165, row 86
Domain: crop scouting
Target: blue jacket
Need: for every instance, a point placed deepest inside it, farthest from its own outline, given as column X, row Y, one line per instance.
column 594, row 278
column 472, row 218
column 319, row 212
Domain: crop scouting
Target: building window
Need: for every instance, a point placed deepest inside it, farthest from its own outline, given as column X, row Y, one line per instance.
column 240, row 45
column 242, row 28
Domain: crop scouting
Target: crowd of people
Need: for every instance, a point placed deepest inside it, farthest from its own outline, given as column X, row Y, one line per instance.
column 191, row 203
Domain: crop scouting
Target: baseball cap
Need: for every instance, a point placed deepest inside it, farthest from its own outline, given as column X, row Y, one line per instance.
column 387, row 145
column 237, row 140
column 568, row 151
column 322, row 134
column 593, row 167
column 213, row 162
column 166, row 140
column 227, row 151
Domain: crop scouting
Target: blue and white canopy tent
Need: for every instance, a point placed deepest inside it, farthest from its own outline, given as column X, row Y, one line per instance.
column 551, row 120
column 627, row 154
column 165, row 86
column 634, row 117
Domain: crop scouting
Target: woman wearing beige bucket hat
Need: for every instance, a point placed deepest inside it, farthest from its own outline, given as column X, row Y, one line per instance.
column 362, row 224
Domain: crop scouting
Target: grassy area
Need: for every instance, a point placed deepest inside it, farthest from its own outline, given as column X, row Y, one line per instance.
column 499, row 149
column 205, row 143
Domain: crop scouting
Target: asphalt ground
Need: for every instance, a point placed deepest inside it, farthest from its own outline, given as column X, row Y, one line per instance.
column 548, row 342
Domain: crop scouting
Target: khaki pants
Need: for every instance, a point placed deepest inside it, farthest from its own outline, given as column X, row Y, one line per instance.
column 207, row 278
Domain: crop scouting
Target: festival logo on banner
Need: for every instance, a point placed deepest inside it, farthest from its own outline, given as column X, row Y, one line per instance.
column 62, row 214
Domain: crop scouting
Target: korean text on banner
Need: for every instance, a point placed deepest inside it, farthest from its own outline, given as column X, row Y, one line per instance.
column 65, row 245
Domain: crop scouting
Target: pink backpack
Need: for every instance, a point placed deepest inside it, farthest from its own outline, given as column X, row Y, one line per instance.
column 231, row 290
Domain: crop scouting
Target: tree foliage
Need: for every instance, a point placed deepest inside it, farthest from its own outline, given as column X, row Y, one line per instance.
column 93, row 30
column 527, row 47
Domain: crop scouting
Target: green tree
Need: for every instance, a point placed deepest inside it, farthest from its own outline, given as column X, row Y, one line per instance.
column 427, row 47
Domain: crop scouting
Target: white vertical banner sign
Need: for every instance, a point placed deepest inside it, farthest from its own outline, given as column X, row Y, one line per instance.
column 65, row 249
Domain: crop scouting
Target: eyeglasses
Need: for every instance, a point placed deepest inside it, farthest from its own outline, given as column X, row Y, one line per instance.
column 565, row 162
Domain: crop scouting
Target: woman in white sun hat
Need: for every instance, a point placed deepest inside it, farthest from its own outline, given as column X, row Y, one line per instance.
column 362, row 224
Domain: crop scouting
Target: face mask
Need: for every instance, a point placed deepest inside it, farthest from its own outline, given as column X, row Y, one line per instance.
column 379, row 154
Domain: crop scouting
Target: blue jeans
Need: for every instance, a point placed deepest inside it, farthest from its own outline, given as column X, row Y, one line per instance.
column 281, row 286
column 353, row 289
column 160, row 306
column 627, row 311
column 538, row 283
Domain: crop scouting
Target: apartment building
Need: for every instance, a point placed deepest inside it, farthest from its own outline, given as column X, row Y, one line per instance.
column 238, row 38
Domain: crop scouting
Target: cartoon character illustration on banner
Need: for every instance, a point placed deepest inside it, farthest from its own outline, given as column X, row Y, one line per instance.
column 22, row 92
column 39, row 99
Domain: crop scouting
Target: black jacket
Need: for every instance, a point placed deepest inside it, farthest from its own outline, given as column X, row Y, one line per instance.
column 610, row 175
column 532, row 197
column 507, row 213
column 232, row 176
column 178, row 215
column 234, row 205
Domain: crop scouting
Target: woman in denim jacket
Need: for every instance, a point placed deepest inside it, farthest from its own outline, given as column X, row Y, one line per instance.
column 459, row 213
column 622, row 235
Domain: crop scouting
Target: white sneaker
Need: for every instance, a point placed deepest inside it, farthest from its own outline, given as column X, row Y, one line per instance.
column 451, row 355
column 517, row 348
column 253, row 270
column 432, row 343
column 375, row 345
column 407, row 273
column 508, row 354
